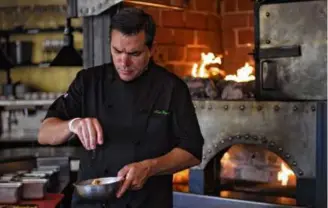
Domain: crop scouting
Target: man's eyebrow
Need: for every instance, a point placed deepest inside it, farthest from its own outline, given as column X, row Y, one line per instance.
column 116, row 49
column 136, row 51
column 131, row 52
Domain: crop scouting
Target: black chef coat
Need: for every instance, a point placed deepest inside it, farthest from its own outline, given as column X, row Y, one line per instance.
column 141, row 119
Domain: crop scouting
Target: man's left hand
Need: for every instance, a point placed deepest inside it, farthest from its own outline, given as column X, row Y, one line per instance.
column 135, row 174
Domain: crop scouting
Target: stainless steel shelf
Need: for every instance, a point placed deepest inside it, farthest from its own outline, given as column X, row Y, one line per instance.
column 16, row 104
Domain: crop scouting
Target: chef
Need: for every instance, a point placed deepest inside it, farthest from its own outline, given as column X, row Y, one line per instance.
column 133, row 118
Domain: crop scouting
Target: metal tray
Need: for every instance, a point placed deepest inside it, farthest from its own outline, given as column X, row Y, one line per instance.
column 11, row 192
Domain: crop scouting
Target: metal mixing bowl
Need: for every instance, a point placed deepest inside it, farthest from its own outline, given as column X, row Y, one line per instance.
column 104, row 191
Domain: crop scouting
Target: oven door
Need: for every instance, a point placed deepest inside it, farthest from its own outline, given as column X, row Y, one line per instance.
column 291, row 49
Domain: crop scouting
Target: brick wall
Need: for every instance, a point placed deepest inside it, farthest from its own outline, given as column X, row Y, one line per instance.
column 224, row 27
column 237, row 32
column 183, row 35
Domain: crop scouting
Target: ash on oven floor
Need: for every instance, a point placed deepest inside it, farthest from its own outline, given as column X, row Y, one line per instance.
column 19, row 206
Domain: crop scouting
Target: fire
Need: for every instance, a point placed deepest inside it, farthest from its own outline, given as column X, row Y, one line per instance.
column 207, row 59
column 206, row 69
column 284, row 174
column 181, row 177
column 244, row 74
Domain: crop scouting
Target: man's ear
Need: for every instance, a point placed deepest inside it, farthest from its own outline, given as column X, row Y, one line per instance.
column 153, row 49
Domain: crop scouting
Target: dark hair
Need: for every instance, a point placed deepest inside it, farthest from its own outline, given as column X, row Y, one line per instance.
column 131, row 21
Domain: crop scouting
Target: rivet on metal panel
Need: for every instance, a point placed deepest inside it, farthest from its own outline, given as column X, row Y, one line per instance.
column 238, row 136
column 209, row 150
column 313, row 108
column 225, row 107
column 259, row 108
column 204, row 157
column 267, row 14
column 264, row 140
column 195, row 106
column 246, row 136
column 268, row 41
column 276, row 108
column 287, row 155
column 230, row 138
column 295, row 108
column 215, row 145
column 222, row 141
column 300, row 173
column 280, row 149
column 210, row 107
column 242, row 107
column 255, row 138
column 294, row 163
column 272, row 144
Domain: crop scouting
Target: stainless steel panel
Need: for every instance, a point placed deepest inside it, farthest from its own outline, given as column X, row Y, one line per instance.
column 286, row 128
column 304, row 24
column 187, row 200
column 96, row 40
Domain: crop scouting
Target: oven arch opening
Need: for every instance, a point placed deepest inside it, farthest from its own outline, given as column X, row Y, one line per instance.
column 252, row 172
column 207, row 179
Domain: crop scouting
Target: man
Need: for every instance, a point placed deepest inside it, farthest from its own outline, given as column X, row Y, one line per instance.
column 133, row 118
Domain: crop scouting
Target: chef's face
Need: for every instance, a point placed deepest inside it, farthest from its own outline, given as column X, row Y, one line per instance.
column 130, row 54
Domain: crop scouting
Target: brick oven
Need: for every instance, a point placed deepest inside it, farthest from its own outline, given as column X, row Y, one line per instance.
column 265, row 137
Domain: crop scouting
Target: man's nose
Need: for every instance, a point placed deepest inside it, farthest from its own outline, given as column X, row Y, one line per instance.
column 126, row 60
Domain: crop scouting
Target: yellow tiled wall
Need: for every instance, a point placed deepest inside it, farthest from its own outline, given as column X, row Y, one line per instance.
column 47, row 79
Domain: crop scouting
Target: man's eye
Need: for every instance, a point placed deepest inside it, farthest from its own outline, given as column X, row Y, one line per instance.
column 135, row 54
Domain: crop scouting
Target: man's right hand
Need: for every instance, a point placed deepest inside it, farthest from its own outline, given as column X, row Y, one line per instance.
column 89, row 132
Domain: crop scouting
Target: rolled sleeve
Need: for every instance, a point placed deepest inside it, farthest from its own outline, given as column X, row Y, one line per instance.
column 185, row 123
column 68, row 105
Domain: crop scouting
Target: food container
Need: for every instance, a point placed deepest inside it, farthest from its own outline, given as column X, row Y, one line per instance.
column 51, row 174
column 55, row 168
column 10, row 193
column 34, row 188
column 20, row 172
column 7, row 176
column 35, row 175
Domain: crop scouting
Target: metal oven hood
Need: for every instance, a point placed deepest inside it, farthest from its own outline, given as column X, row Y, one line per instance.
column 84, row 8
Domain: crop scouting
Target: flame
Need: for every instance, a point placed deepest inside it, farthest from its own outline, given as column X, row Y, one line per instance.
column 203, row 70
column 207, row 59
column 244, row 74
column 284, row 174
column 181, row 177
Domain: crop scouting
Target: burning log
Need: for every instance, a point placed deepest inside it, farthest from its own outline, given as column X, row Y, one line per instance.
column 231, row 90
column 208, row 81
column 201, row 88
